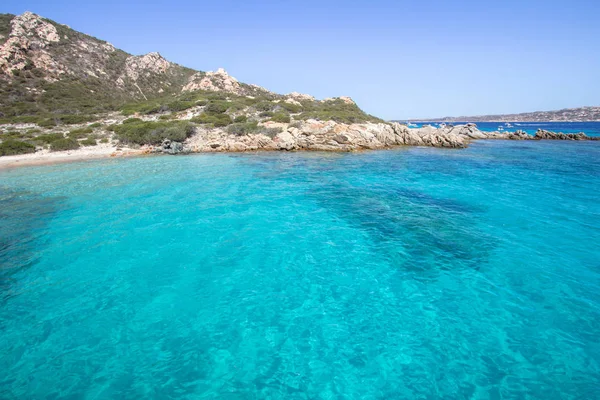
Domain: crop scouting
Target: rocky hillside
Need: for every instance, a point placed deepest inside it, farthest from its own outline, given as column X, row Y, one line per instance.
column 580, row 114
column 48, row 67
column 48, row 71
column 61, row 90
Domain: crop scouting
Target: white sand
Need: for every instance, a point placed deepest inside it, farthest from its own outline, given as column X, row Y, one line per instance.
column 84, row 153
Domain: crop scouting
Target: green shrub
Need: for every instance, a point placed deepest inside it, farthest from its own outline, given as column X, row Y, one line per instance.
column 79, row 133
column 264, row 106
column 265, row 114
column 49, row 137
column 33, row 131
column 11, row 147
column 335, row 110
column 179, row 105
column 270, row 132
column 281, row 117
column 293, row 108
column 217, row 120
column 88, row 142
column 235, row 106
column 47, row 123
column 64, row 144
column 21, row 119
column 95, row 125
column 104, row 140
column 202, row 102
column 241, row 118
column 75, row 119
column 154, row 132
column 166, row 117
column 216, row 107
column 242, row 128
column 13, row 135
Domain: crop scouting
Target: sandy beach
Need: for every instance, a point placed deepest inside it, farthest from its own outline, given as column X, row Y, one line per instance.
column 86, row 153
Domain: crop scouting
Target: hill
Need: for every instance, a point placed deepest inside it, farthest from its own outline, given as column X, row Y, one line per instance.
column 51, row 74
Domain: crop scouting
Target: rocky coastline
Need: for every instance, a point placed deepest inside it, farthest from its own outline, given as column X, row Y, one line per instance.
column 315, row 135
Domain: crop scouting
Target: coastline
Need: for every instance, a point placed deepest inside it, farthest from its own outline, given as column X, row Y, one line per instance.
column 312, row 136
column 60, row 157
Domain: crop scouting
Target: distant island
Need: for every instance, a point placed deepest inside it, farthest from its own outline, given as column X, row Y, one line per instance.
column 580, row 114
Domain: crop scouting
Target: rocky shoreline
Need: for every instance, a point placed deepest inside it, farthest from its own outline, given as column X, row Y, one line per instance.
column 311, row 135
column 314, row 135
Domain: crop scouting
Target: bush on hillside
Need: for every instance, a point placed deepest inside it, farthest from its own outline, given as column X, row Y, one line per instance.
column 292, row 108
column 79, row 133
column 179, row 105
column 264, row 106
column 242, row 128
column 217, row 120
column 88, row 142
column 11, row 147
column 241, row 118
column 216, row 107
column 49, row 137
column 64, row 144
column 281, row 117
column 75, row 119
column 149, row 132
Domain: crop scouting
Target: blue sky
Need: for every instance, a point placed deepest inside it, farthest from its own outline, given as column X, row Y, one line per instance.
column 397, row 59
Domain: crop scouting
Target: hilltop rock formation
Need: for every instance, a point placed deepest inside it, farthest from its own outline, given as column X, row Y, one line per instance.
column 27, row 42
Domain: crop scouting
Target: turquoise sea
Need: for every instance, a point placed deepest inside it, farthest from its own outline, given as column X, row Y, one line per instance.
column 413, row 273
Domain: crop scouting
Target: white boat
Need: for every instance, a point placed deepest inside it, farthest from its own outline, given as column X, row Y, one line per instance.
column 500, row 128
column 410, row 125
column 508, row 125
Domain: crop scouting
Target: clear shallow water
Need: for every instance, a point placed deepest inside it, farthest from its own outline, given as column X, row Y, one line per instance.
column 413, row 273
column 589, row 128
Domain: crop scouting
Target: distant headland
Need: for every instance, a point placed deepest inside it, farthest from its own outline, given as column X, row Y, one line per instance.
column 580, row 114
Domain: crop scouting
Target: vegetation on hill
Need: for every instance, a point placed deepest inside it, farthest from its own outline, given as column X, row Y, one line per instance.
column 11, row 147
column 84, row 79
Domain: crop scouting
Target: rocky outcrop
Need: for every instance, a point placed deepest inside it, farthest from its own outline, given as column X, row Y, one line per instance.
column 300, row 96
column 345, row 99
column 148, row 64
column 33, row 26
column 171, row 147
column 219, row 81
column 315, row 135
column 29, row 37
column 324, row 136
column 543, row 134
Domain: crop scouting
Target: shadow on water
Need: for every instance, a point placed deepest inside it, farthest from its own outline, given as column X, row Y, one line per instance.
column 418, row 232
column 23, row 218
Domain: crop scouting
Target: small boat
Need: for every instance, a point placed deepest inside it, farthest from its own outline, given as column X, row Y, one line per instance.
column 508, row 125
column 500, row 128
column 410, row 125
